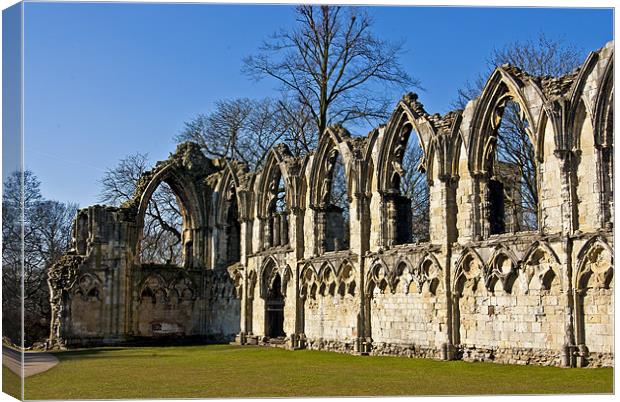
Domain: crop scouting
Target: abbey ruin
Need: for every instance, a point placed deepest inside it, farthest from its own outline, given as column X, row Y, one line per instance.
column 268, row 258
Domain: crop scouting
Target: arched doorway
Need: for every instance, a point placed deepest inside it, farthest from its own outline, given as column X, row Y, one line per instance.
column 274, row 309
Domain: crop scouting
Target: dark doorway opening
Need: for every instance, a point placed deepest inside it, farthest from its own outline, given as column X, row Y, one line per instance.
column 275, row 309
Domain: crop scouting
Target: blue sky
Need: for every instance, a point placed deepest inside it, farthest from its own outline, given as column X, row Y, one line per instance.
column 106, row 80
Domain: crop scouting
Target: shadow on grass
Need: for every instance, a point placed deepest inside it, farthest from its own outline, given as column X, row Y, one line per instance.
column 141, row 351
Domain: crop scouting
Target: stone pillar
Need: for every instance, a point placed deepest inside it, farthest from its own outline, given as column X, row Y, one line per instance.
column 267, row 231
column 571, row 298
column 482, row 201
column 568, row 189
column 392, row 225
column 579, row 349
column 284, row 240
column 447, row 235
column 320, row 231
column 276, row 229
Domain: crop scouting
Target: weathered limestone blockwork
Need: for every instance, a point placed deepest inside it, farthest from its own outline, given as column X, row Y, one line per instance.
column 267, row 260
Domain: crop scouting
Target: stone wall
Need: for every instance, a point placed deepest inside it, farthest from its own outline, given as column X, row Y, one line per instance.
column 541, row 295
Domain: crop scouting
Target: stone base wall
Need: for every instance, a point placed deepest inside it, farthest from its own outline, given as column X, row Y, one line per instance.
column 331, row 345
column 405, row 350
column 539, row 357
column 595, row 360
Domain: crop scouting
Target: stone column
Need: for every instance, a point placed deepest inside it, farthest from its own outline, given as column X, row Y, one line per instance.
column 447, row 235
column 284, row 222
column 569, row 225
column 320, row 231
column 578, row 349
column 568, row 188
column 275, row 229
column 392, row 225
column 267, row 231
column 481, row 222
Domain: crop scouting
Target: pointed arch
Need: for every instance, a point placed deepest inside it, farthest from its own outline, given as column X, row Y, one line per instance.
column 429, row 273
column 276, row 194
column 269, row 268
column 502, row 267
column 409, row 116
column 503, row 85
column 541, row 266
column 469, row 266
column 183, row 173
column 230, row 183
column 273, row 170
column 604, row 107
column 405, row 163
column 377, row 276
column 594, row 304
column 332, row 143
column 308, row 278
column 594, row 260
column 331, row 182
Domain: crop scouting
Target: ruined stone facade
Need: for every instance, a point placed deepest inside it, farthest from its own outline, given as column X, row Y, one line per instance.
column 254, row 272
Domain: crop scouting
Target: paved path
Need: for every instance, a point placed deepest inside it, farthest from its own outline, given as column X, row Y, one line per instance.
column 34, row 362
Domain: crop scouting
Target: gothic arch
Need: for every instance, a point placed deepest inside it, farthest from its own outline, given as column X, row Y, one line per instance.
column 428, row 274
column 273, row 169
column 596, row 252
column 594, row 304
column 88, row 286
column 230, row 208
column 408, row 117
column 502, row 266
column 604, row 107
column 346, row 279
column 541, row 263
column 333, row 141
column 182, row 172
column 333, row 164
column 269, row 268
column 604, row 141
column 154, row 289
column 469, row 266
column 309, row 281
column 502, row 86
column 375, row 276
column 273, row 208
column 230, row 183
column 328, row 279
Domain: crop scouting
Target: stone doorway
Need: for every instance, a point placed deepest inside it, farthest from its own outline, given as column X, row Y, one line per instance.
column 274, row 314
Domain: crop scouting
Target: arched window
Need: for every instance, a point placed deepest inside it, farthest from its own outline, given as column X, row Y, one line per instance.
column 414, row 186
column 408, row 195
column 162, row 239
column 276, row 224
column 512, row 187
column 232, row 229
column 336, row 199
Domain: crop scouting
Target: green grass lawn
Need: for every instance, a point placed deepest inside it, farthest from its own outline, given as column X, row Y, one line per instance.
column 244, row 371
column 10, row 383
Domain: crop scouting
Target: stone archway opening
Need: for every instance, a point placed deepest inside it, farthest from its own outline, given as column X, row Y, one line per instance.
column 163, row 238
column 336, row 200
column 513, row 183
column 274, row 309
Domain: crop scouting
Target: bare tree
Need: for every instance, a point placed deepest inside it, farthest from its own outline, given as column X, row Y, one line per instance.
column 332, row 65
column 542, row 56
column 39, row 233
column 162, row 232
column 515, row 151
column 246, row 129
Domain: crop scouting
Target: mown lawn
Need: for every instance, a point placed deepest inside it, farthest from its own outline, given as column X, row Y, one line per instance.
column 244, row 371
column 10, row 383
